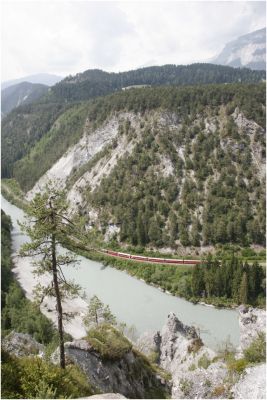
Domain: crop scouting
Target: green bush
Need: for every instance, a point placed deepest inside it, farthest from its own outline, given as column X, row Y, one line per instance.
column 31, row 378
column 237, row 365
column 108, row 341
column 204, row 362
column 256, row 352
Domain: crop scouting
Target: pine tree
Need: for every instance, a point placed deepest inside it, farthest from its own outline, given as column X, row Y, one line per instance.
column 98, row 313
column 48, row 227
column 243, row 292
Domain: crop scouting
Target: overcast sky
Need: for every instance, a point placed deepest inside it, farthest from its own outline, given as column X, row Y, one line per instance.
column 66, row 37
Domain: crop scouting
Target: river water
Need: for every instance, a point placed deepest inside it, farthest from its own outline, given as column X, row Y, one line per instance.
column 136, row 303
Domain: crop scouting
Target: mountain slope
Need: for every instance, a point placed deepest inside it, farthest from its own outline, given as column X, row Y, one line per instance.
column 44, row 79
column 19, row 94
column 22, row 128
column 161, row 166
column 93, row 83
column 246, row 51
column 17, row 133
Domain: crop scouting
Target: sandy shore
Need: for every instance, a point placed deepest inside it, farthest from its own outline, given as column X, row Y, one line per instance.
column 23, row 269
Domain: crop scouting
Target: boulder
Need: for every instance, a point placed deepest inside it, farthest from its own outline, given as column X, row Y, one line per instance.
column 252, row 321
column 22, row 344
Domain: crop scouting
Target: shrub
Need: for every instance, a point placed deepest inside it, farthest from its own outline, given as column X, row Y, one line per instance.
column 153, row 357
column 37, row 374
column 218, row 391
column 195, row 345
column 34, row 378
column 185, row 386
column 237, row 365
column 108, row 341
column 192, row 367
column 204, row 362
column 256, row 352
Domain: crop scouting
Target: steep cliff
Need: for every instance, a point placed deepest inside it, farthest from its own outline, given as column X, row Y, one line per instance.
column 112, row 365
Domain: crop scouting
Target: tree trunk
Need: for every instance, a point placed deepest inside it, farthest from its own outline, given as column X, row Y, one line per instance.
column 57, row 292
column 59, row 306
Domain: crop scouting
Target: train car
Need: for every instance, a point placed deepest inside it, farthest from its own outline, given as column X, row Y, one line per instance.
column 139, row 258
column 124, row 255
column 173, row 261
column 157, row 260
column 192, row 262
column 112, row 253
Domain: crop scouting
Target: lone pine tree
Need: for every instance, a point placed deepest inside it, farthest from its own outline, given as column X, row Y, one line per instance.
column 48, row 227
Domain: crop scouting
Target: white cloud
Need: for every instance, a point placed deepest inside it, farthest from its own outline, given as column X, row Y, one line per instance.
column 65, row 37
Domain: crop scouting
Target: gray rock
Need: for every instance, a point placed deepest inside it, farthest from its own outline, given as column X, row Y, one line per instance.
column 252, row 321
column 252, row 385
column 129, row 375
column 22, row 344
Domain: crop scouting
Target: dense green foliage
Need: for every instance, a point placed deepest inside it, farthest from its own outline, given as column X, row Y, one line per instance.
column 229, row 279
column 6, row 264
column 108, row 341
column 213, row 195
column 187, row 102
column 98, row 313
column 256, row 351
column 22, row 128
column 18, row 313
column 65, row 132
column 31, row 378
column 92, row 83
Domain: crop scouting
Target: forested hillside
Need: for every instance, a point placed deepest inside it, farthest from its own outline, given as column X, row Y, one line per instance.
column 162, row 166
column 92, row 83
column 22, row 93
column 25, row 125
column 22, row 128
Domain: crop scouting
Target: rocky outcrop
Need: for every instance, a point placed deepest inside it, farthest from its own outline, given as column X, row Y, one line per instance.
column 252, row 321
column 252, row 385
column 130, row 375
column 181, row 351
column 21, row 345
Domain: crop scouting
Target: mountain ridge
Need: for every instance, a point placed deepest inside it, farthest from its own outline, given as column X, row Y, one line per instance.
column 42, row 78
column 248, row 50
column 20, row 94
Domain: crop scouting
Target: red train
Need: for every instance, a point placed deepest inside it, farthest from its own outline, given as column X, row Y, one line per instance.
column 150, row 259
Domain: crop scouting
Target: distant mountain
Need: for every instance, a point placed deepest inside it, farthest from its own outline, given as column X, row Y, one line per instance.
column 44, row 79
column 20, row 94
column 246, row 51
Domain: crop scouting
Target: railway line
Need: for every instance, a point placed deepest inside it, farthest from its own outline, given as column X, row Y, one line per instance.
column 155, row 260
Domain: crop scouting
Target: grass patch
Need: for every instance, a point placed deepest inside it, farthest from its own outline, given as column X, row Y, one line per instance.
column 256, row 352
column 109, row 342
column 204, row 362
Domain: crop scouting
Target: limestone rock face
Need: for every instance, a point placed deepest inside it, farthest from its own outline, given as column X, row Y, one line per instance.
column 182, row 353
column 251, row 322
column 252, row 385
column 22, row 344
column 130, row 375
